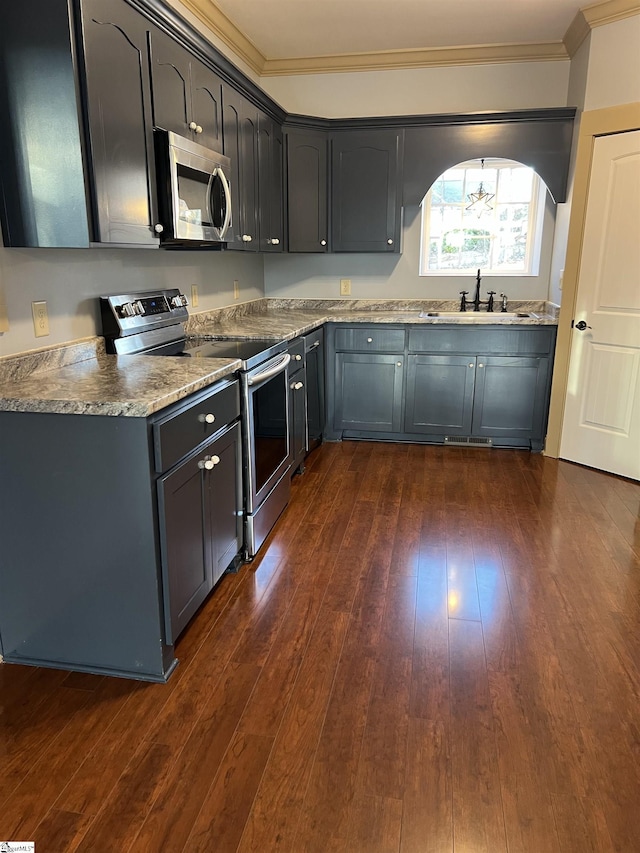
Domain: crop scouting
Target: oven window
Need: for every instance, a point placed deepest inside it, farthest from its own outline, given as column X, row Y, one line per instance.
column 270, row 426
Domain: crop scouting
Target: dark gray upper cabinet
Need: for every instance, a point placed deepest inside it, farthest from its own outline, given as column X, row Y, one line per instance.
column 366, row 191
column 270, row 192
column 307, row 190
column 241, row 146
column 120, row 126
column 42, row 188
column 187, row 96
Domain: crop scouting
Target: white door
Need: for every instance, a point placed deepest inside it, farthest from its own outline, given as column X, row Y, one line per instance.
column 601, row 426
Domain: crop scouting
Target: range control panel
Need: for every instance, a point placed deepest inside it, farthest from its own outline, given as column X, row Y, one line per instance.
column 130, row 313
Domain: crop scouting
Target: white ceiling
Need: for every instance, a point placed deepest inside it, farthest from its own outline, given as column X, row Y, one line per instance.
column 288, row 29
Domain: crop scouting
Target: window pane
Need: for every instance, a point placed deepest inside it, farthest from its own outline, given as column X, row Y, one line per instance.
column 493, row 236
column 515, row 184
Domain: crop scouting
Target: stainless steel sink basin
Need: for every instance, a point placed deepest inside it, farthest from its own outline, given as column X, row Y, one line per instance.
column 476, row 316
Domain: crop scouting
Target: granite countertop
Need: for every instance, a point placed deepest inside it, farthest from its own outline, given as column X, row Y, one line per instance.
column 279, row 320
column 80, row 378
column 130, row 385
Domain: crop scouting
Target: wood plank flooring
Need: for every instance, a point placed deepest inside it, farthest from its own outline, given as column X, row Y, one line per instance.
column 438, row 651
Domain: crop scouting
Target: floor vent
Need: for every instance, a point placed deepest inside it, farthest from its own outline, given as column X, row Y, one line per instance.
column 467, row 441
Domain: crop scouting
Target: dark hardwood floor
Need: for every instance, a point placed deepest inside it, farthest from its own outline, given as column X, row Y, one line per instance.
column 438, row 651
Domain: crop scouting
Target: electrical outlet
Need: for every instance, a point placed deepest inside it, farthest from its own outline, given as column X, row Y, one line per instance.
column 236, row 288
column 194, row 295
column 40, row 319
column 345, row 287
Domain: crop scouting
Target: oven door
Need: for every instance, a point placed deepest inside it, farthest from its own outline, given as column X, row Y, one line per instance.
column 266, row 402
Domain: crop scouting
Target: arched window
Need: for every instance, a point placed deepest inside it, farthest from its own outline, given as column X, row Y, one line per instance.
column 484, row 215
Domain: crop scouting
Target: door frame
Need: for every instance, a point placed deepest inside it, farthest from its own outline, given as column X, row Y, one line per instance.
column 594, row 123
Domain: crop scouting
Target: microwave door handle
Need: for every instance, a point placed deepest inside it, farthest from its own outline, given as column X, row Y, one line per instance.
column 272, row 371
column 219, row 173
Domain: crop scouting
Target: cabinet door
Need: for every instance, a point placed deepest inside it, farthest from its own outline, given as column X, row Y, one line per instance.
column 314, row 346
column 298, row 435
column 170, row 72
column 206, row 106
column 511, row 397
column 307, row 189
column 368, row 392
column 270, row 202
column 223, row 484
column 440, row 394
column 366, row 191
column 186, row 562
column 120, row 123
column 240, row 145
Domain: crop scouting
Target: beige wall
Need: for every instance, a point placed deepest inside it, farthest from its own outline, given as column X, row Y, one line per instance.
column 70, row 280
column 614, row 65
column 379, row 276
column 419, row 91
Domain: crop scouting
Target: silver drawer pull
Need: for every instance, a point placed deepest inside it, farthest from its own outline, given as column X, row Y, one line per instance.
column 206, row 419
column 315, row 344
column 369, row 340
column 296, row 386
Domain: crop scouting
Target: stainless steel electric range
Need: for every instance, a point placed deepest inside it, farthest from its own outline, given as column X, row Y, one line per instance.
column 153, row 324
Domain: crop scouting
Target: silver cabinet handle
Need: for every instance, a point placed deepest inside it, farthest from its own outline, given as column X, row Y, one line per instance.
column 369, row 340
column 390, row 242
column 296, row 386
column 481, row 364
column 398, row 364
column 198, row 129
column 323, row 242
column 273, row 241
column 315, row 344
column 297, row 358
column 192, row 125
column 246, row 238
column 470, row 364
column 206, row 419
column 158, row 228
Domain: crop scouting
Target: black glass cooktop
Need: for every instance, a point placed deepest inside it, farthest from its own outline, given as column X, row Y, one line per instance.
column 250, row 352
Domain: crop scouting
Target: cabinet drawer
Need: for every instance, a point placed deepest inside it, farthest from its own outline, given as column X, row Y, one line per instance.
column 529, row 340
column 179, row 433
column 367, row 339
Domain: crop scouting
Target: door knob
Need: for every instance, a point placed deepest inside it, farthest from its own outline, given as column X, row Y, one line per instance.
column 581, row 326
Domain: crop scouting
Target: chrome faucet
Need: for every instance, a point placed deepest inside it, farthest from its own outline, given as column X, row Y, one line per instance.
column 504, row 303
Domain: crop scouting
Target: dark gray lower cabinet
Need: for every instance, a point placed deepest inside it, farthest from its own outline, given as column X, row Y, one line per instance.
column 477, row 382
column 315, row 396
column 368, row 391
column 201, row 525
column 439, row 394
column 510, row 397
column 136, row 519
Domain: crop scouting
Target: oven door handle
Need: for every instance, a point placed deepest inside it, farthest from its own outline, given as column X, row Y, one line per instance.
column 272, row 371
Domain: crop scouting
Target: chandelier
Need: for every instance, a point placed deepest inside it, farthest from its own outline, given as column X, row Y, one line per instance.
column 479, row 201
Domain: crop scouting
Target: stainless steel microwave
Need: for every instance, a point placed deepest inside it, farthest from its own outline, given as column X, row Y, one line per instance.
column 194, row 197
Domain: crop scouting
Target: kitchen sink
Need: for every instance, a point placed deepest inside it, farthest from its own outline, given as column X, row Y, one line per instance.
column 477, row 316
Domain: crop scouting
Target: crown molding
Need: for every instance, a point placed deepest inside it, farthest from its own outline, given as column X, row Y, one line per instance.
column 609, row 11
column 213, row 18
column 595, row 15
column 385, row 60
